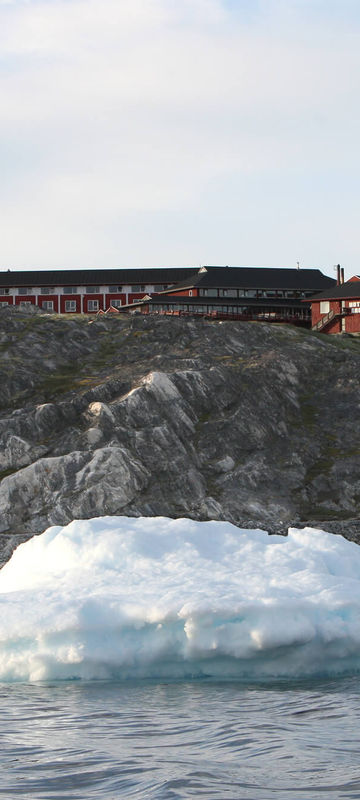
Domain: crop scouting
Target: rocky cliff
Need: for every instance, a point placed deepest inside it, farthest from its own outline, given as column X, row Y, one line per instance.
column 249, row 422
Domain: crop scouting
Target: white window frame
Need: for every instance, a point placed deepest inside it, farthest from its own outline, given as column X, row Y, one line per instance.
column 70, row 306
column 47, row 305
column 24, row 303
column 92, row 305
column 92, row 290
column 324, row 306
column 70, row 290
column 116, row 303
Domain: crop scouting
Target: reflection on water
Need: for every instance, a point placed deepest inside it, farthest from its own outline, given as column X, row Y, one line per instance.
column 211, row 740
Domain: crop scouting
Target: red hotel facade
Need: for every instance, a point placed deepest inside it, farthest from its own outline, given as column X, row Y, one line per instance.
column 337, row 310
column 275, row 294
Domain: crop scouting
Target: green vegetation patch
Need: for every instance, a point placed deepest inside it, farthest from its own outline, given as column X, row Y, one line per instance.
column 6, row 472
column 65, row 380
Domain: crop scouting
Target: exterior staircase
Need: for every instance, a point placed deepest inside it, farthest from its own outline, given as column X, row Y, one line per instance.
column 329, row 317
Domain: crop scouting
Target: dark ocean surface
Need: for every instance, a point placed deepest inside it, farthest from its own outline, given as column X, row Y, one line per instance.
column 179, row 740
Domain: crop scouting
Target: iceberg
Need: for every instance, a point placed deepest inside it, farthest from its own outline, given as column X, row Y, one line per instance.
column 117, row 598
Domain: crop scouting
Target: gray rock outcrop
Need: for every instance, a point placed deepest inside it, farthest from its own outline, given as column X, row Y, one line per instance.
column 250, row 422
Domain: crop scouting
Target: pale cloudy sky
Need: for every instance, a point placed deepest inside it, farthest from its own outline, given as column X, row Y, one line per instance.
column 179, row 132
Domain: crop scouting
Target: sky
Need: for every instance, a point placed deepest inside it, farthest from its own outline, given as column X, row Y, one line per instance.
column 179, row 133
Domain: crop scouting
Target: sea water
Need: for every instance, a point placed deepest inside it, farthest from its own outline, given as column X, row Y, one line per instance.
column 156, row 658
column 161, row 741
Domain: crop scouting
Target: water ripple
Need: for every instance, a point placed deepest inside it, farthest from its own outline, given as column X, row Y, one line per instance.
column 169, row 741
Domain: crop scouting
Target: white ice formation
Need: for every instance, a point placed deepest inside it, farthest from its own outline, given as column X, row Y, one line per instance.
column 122, row 598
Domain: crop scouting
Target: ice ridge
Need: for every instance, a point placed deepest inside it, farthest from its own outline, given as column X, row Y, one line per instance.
column 122, row 598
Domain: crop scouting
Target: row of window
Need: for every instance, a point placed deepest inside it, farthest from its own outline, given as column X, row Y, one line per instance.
column 137, row 288
column 251, row 293
column 25, row 290
column 70, row 305
column 302, row 313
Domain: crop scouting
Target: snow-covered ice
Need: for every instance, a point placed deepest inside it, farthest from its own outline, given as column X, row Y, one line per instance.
column 119, row 598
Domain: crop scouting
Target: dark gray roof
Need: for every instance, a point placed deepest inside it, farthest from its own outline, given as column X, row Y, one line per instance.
column 258, row 278
column 343, row 291
column 73, row 277
column 183, row 277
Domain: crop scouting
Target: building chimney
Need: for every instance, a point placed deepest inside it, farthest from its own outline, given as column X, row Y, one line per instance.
column 342, row 275
column 338, row 281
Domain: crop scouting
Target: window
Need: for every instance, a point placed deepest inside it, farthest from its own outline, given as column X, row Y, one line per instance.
column 25, row 290
column 115, row 289
column 70, row 305
column 70, row 290
column 115, row 303
column 190, row 292
column 250, row 292
column 224, row 292
column 4, row 303
column 47, row 305
column 93, row 305
column 92, row 290
column 209, row 292
column 47, row 290
column 137, row 288
column 6, row 291
column 25, row 303
column 324, row 307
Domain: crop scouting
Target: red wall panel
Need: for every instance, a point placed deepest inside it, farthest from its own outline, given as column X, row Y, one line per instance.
column 87, row 297
column 110, row 297
column 75, row 297
column 52, row 297
column 24, row 298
